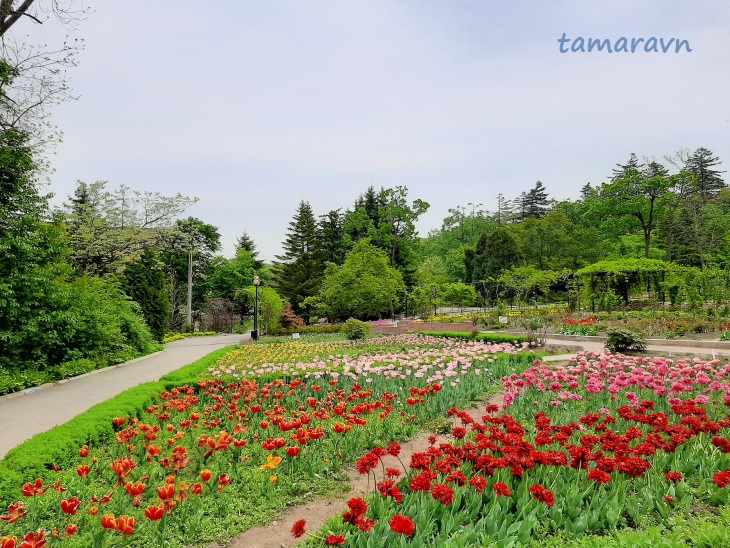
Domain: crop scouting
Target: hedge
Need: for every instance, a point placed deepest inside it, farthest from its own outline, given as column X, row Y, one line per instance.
column 60, row 445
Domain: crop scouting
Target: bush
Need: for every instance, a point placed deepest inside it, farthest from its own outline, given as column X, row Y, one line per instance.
column 355, row 329
column 623, row 340
column 315, row 329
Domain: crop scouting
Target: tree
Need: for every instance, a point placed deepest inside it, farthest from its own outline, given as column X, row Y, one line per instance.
column 226, row 276
column 636, row 195
column 33, row 75
column 46, row 316
column 245, row 243
column 331, row 234
column 106, row 229
column 504, row 210
column 299, row 270
column 187, row 251
column 396, row 232
column 459, row 294
column 365, row 286
column 144, row 281
column 495, row 251
column 621, row 171
column 535, row 203
column 271, row 306
column 709, row 181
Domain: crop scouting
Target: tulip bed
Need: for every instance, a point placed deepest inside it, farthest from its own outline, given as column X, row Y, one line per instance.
column 605, row 443
column 268, row 426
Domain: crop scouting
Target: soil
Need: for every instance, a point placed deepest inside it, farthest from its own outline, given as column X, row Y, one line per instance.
column 278, row 533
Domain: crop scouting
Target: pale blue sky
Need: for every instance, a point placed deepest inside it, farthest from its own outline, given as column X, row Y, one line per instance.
column 253, row 106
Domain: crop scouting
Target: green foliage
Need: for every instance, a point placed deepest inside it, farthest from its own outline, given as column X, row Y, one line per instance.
column 313, row 329
column 525, row 281
column 107, row 228
column 365, row 286
column 299, row 270
column 495, row 252
column 179, row 336
column 175, row 246
column 459, row 294
column 229, row 275
column 355, row 329
column 144, row 282
column 623, row 340
column 271, row 306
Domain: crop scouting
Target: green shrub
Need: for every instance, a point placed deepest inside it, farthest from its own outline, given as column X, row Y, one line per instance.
column 623, row 340
column 316, row 329
column 355, row 329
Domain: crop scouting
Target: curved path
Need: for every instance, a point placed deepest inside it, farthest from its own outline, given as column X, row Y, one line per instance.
column 35, row 410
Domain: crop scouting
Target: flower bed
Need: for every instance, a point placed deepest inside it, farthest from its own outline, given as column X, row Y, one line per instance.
column 212, row 458
column 604, row 443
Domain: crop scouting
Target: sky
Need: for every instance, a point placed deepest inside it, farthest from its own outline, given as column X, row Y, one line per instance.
column 254, row 106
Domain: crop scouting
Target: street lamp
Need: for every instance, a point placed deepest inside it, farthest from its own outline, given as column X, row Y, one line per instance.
column 255, row 332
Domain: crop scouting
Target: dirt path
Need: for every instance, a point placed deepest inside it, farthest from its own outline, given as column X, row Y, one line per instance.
column 278, row 533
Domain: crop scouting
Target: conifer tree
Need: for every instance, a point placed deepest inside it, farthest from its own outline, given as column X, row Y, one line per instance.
column 621, row 171
column 331, row 234
column 245, row 243
column 709, row 180
column 299, row 270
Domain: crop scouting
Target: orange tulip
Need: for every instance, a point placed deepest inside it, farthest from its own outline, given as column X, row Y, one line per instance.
column 33, row 489
column 154, row 513
column 70, row 506
column 134, row 489
column 125, row 525
column 205, row 475
column 167, row 491
column 15, row 512
column 82, row 471
column 8, row 542
column 109, row 521
column 31, row 540
column 71, row 529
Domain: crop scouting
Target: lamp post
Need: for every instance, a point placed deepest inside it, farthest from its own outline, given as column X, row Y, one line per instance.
column 255, row 332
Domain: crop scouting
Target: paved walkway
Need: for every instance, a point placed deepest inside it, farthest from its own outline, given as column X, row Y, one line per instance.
column 27, row 413
column 665, row 350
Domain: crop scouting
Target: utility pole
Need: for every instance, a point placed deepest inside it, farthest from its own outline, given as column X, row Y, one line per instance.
column 189, row 320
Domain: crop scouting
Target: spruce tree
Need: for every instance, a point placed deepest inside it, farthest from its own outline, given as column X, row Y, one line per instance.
column 709, row 181
column 245, row 243
column 534, row 204
column 299, row 270
column 331, row 234
column 623, row 170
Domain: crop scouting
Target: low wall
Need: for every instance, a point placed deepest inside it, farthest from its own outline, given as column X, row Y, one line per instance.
column 406, row 326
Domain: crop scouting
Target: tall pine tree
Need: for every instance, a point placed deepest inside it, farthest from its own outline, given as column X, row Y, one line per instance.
column 709, row 181
column 245, row 243
column 300, row 269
